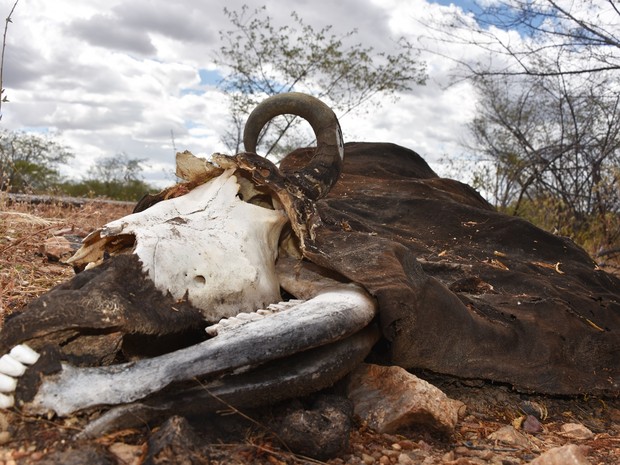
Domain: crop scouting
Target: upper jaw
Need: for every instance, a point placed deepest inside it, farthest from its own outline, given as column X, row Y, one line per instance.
column 207, row 246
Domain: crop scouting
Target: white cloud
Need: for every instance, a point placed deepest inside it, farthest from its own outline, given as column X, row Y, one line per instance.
column 124, row 77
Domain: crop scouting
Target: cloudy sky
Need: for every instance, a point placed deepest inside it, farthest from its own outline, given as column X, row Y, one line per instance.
column 125, row 76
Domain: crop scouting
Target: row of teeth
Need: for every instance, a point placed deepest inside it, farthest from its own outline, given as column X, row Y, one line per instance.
column 234, row 321
column 12, row 366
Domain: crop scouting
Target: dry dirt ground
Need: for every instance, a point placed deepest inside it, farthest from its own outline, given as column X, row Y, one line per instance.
column 499, row 426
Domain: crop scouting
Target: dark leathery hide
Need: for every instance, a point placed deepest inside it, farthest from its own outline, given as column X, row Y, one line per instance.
column 110, row 311
column 462, row 289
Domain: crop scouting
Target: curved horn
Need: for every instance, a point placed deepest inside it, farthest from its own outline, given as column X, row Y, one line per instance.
column 317, row 178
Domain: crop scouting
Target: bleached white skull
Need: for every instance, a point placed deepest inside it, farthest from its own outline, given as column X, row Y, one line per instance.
column 210, row 247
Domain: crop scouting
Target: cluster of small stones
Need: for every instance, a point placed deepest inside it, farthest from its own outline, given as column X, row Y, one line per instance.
column 391, row 450
column 387, row 449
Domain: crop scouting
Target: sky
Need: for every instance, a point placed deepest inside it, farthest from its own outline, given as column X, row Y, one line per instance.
column 104, row 78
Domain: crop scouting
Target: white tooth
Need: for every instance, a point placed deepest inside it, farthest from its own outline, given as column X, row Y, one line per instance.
column 248, row 316
column 212, row 330
column 7, row 383
column 286, row 305
column 6, row 401
column 24, row 354
column 226, row 322
column 10, row 366
column 243, row 317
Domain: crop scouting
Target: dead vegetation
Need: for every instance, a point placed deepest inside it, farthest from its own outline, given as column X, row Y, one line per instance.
column 25, row 271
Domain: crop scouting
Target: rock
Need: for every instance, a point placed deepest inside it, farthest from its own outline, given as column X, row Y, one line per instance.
column 576, row 431
column 5, row 437
column 61, row 248
column 390, row 398
column 448, row 457
column 531, row 425
column 570, row 454
column 509, row 435
column 175, row 442
column 4, row 421
column 368, row 459
column 5, row 433
column 126, row 453
column 321, row 432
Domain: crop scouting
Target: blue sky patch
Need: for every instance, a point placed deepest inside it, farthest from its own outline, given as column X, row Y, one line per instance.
column 464, row 4
column 209, row 77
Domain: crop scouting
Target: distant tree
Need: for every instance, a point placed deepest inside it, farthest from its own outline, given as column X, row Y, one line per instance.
column 537, row 37
column 29, row 162
column 263, row 60
column 549, row 149
column 547, row 127
column 117, row 177
column 117, row 168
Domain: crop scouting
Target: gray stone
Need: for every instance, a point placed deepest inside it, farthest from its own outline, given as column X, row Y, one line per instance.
column 570, row 454
column 60, row 248
column 509, row 435
column 390, row 399
column 321, row 431
column 531, row 425
column 576, row 431
column 175, row 441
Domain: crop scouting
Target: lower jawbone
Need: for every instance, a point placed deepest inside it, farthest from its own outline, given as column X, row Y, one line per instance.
column 209, row 247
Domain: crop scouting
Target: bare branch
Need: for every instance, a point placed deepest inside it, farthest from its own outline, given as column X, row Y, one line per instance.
column 265, row 60
column 588, row 42
column 6, row 28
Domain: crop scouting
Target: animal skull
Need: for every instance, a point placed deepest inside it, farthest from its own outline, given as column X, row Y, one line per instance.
column 210, row 247
column 216, row 246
